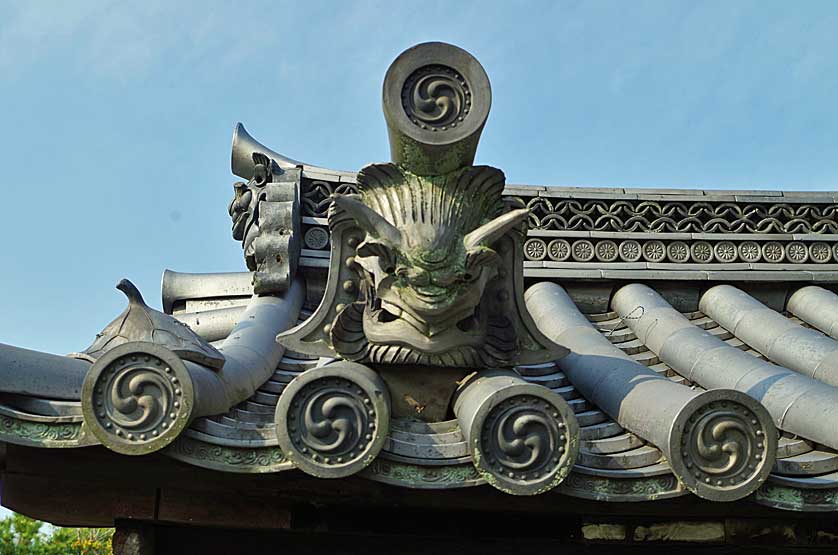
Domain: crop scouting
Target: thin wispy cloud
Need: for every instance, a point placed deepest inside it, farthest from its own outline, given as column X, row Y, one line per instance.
column 125, row 41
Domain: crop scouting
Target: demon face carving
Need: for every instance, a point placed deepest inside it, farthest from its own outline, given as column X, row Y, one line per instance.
column 426, row 260
column 265, row 220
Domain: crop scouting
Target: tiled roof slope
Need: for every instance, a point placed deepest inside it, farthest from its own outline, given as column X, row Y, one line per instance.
column 641, row 270
column 614, row 464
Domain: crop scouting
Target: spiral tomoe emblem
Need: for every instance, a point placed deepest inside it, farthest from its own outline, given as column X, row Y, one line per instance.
column 727, row 445
column 436, row 97
column 523, row 437
column 137, row 398
column 332, row 421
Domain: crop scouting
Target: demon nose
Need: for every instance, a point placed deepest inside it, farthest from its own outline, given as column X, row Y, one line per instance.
column 445, row 280
column 419, row 278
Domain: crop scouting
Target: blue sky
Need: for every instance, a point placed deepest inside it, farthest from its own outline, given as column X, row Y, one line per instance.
column 117, row 118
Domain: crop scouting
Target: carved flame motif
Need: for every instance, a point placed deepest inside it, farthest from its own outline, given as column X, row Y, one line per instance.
column 426, row 260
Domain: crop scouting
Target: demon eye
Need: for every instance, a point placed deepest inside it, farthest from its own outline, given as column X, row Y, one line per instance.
column 401, row 272
column 469, row 275
column 260, row 174
column 386, row 256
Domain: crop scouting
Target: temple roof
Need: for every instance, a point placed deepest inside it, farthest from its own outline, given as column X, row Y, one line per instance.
column 613, row 464
column 750, row 274
column 421, row 324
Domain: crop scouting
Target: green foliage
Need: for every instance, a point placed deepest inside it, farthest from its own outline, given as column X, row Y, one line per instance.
column 20, row 535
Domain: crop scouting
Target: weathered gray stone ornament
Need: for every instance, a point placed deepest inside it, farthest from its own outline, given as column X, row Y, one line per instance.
column 523, row 438
column 248, row 153
column 722, row 445
column 266, row 219
column 426, row 259
column 332, row 421
column 141, row 323
column 426, row 274
column 138, row 398
column 436, row 101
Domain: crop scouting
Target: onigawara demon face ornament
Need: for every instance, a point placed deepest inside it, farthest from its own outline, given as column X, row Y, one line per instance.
column 426, row 257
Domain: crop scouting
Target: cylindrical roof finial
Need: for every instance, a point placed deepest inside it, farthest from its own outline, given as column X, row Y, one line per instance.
column 436, row 101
